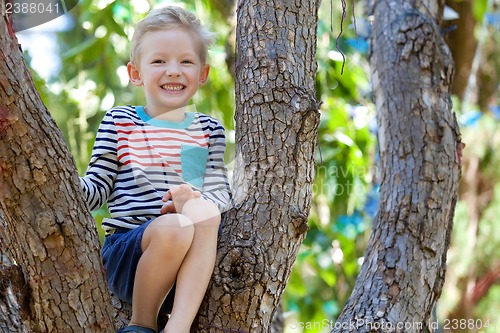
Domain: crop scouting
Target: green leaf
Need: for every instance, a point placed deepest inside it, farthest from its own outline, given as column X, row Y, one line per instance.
column 85, row 49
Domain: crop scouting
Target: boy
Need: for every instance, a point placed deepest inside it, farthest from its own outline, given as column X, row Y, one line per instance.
column 160, row 168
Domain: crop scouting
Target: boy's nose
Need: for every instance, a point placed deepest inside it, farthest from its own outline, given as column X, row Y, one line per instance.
column 173, row 71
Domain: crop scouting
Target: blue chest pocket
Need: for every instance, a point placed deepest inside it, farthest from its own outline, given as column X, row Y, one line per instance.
column 194, row 164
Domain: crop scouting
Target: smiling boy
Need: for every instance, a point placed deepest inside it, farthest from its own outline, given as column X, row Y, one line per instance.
column 160, row 169
column 170, row 69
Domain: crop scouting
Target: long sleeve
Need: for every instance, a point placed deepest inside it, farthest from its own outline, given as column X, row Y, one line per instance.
column 98, row 181
column 216, row 184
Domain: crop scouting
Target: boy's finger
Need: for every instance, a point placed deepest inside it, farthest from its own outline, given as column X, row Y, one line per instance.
column 167, row 196
column 168, row 208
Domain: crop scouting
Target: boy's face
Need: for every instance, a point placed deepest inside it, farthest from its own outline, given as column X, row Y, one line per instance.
column 170, row 70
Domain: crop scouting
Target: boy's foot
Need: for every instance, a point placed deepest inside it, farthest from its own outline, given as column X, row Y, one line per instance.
column 136, row 329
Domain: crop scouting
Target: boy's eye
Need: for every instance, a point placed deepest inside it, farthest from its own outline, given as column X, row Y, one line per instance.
column 158, row 61
column 187, row 62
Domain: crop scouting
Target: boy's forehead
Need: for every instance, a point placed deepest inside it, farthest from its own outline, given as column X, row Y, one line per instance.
column 182, row 34
column 177, row 32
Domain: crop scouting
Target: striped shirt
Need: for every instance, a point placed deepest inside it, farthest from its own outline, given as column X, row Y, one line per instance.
column 136, row 159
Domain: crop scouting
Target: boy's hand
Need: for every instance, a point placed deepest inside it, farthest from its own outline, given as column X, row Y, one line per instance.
column 176, row 197
column 168, row 207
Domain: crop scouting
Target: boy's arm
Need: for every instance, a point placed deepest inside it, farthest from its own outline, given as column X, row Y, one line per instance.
column 216, row 183
column 101, row 173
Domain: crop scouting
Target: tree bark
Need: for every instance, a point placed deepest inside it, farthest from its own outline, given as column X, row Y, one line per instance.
column 404, row 265
column 276, row 126
column 51, row 276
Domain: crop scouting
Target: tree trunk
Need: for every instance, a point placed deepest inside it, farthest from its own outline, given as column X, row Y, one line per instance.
column 51, row 276
column 276, row 126
column 404, row 265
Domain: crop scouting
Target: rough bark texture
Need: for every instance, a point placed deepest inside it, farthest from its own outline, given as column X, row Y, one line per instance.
column 404, row 267
column 276, row 125
column 51, row 276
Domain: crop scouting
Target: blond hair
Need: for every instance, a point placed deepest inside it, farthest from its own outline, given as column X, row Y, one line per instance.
column 170, row 17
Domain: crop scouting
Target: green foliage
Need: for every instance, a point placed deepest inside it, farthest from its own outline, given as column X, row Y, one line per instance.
column 330, row 257
column 488, row 309
column 479, row 8
column 476, row 232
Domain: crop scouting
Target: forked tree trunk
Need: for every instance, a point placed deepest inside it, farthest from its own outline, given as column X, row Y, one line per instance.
column 51, row 276
column 404, row 265
column 276, row 126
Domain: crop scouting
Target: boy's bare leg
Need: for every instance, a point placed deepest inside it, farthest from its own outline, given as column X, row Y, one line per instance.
column 164, row 244
column 196, row 270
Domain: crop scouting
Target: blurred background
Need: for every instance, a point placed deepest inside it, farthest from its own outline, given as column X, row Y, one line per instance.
column 79, row 65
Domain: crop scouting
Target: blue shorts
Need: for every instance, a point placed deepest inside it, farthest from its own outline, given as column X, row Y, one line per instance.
column 121, row 252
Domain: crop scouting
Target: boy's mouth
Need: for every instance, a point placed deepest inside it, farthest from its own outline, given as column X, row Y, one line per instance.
column 173, row 87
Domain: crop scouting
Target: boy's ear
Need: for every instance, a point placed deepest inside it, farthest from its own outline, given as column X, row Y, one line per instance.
column 204, row 74
column 134, row 75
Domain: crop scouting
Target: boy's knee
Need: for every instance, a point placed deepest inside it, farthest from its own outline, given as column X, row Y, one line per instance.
column 171, row 230
column 209, row 221
column 173, row 222
column 202, row 212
